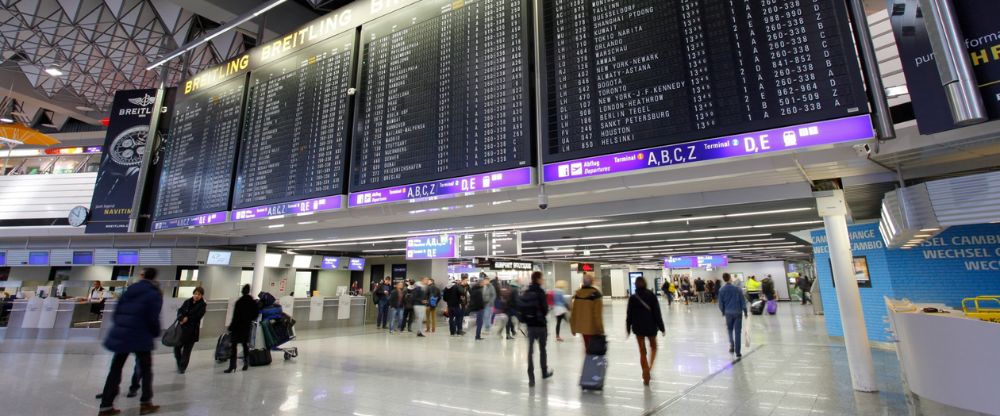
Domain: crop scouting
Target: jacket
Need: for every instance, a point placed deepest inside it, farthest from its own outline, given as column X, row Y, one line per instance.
column 433, row 292
column 382, row 293
column 397, row 298
column 753, row 285
column 476, row 301
column 731, row 300
column 136, row 319
column 767, row 287
column 191, row 330
column 409, row 299
column 454, row 295
column 643, row 317
column 489, row 295
column 419, row 295
column 533, row 307
column 588, row 312
column 699, row 285
column 244, row 313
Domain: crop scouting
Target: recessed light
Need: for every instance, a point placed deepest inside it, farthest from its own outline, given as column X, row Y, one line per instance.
column 84, row 108
column 275, row 225
column 922, row 235
column 6, row 120
column 929, row 230
column 54, row 72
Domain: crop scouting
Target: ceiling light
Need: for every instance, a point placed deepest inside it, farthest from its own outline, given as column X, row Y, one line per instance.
column 707, row 217
column 275, row 225
column 307, row 223
column 620, row 224
column 84, row 108
column 922, row 235
column 776, row 211
column 6, row 120
column 788, row 224
column 708, row 230
column 54, row 72
column 929, row 230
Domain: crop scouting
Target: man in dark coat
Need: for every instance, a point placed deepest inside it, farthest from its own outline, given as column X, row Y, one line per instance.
column 189, row 318
column 381, row 294
column 244, row 313
column 136, row 325
column 532, row 309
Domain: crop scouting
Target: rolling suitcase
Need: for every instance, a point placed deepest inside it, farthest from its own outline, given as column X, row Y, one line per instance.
column 772, row 307
column 222, row 347
column 757, row 307
column 594, row 369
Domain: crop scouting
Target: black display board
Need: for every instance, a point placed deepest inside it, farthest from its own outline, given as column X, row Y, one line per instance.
column 201, row 151
column 295, row 127
column 630, row 74
column 445, row 91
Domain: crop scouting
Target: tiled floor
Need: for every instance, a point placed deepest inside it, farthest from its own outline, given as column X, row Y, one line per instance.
column 793, row 369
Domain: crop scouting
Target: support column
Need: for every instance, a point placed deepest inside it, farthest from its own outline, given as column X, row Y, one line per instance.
column 833, row 208
column 258, row 270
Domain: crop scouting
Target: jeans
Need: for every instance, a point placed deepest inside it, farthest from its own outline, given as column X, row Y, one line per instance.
column 395, row 319
column 383, row 314
column 407, row 322
column 488, row 318
column 643, row 362
column 232, row 354
column 455, row 320
column 430, row 325
column 734, row 327
column 419, row 314
column 182, row 353
column 480, row 315
column 670, row 298
column 537, row 333
column 113, row 382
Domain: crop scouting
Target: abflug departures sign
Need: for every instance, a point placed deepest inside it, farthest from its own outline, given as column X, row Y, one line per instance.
column 626, row 75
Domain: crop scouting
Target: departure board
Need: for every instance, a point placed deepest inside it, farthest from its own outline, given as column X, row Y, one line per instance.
column 296, row 126
column 201, row 150
column 631, row 74
column 444, row 92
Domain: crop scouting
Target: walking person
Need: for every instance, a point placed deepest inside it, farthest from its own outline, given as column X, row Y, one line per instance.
column 560, row 309
column 805, row 285
column 510, row 294
column 587, row 318
column 686, row 290
column 699, row 288
column 381, row 295
column 397, row 302
column 643, row 319
column 734, row 307
column 433, row 298
column 454, row 296
column 136, row 324
column 189, row 318
column 668, row 291
column 420, row 305
column 753, row 288
column 408, row 303
column 477, row 304
column 244, row 313
column 489, row 301
column 532, row 309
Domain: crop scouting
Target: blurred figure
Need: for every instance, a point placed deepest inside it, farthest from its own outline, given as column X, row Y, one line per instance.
column 489, row 301
column 510, row 294
column 477, row 304
column 532, row 309
column 244, row 313
column 643, row 319
column 433, row 298
column 136, row 324
column 381, row 296
column 455, row 296
column 805, row 285
column 397, row 302
column 189, row 317
column 559, row 306
column 408, row 304
column 587, row 318
column 420, row 302
column 734, row 307
column 699, row 289
column 753, row 288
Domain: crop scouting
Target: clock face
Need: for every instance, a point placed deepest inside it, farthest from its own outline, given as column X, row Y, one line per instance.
column 127, row 149
column 78, row 216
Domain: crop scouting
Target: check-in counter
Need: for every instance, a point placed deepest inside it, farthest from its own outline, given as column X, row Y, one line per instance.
column 947, row 357
column 55, row 319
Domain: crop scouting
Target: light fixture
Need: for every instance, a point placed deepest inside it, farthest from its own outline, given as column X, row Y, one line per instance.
column 275, row 225
column 54, row 72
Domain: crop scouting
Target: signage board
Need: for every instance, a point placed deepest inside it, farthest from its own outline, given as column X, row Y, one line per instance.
column 221, row 258
column 128, row 257
column 474, row 244
column 585, row 267
column 82, row 257
column 442, row 246
column 511, row 265
column 505, row 243
column 331, row 263
column 38, row 258
column 693, row 262
column 356, row 264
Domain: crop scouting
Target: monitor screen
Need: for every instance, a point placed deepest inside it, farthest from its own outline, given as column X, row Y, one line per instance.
column 130, row 257
column 38, row 258
column 83, row 257
column 301, row 262
column 331, row 263
column 356, row 263
column 3, row 258
column 221, row 258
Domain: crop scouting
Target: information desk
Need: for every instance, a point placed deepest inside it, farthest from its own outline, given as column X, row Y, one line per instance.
column 947, row 357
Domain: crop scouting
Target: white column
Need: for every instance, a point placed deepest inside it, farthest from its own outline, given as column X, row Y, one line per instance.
column 833, row 208
column 258, row 270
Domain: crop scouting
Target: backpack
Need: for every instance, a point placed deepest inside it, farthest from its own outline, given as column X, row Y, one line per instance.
column 527, row 307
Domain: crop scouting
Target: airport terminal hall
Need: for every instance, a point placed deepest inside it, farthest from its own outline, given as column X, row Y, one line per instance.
column 500, row 207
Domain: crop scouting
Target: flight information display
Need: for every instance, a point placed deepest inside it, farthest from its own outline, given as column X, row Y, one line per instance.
column 444, row 92
column 295, row 129
column 201, row 150
column 631, row 74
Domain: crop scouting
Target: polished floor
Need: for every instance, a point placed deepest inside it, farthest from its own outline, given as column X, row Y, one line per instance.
column 793, row 368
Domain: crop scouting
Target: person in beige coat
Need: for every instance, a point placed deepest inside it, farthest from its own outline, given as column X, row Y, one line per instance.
column 587, row 318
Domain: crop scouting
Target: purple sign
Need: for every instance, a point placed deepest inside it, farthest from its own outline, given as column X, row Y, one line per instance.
column 685, row 262
column 767, row 141
column 331, row 263
column 444, row 246
column 128, row 257
column 329, row 203
column 38, row 258
column 691, row 262
column 193, row 221
column 447, row 187
column 356, row 263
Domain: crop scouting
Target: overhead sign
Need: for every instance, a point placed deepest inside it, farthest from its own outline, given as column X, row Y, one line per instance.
column 444, row 188
column 490, row 244
column 125, row 144
column 332, row 263
column 584, row 267
column 356, row 264
column 443, row 246
column 693, row 262
column 511, row 265
column 221, row 258
column 505, row 243
column 474, row 244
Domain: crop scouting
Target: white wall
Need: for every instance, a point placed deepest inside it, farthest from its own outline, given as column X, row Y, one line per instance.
column 29, row 273
column 327, row 281
column 619, row 287
column 220, row 282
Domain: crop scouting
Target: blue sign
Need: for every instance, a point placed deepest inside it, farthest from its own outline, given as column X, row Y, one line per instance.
column 3, row 258
column 128, row 257
column 685, row 262
column 444, row 246
column 83, row 257
column 691, row 262
column 333, row 263
column 38, row 258
column 356, row 264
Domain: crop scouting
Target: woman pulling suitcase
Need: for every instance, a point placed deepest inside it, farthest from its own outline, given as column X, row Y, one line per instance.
column 244, row 313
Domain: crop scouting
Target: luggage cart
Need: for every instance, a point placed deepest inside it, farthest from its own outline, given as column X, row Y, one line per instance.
column 277, row 332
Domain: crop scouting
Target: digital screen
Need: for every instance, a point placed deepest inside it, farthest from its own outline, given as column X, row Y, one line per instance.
column 3, row 258
column 128, row 257
column 295, row 127
column 357, row 264
column 331, row 263
column 38, row 258
column 686, row 262
column 301, row 262
column 200, row 151
column 631, row 280
column 585, row 267
column 714, row 261
column 861, row 274
column 692, row 262
column 83, row 257
column 444, row 246
column 221, row 258
column 474, row 244
column 630, row 75
column 505, row 243
column 444, row 92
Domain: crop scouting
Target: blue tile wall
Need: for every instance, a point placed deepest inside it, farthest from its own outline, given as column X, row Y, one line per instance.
column 961, row 262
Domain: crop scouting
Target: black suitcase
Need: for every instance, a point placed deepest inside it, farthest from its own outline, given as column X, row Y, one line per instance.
column 594, row 369
column 259, row 357
column 598, row 345
column 222, row 348
column 757, row 307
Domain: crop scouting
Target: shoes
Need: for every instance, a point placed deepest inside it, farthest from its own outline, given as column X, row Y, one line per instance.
column 99, row 396
column 479, row 338
column 559, row 339
column 246, row 365
column 132, row 393
column 181, row 371
column 109, row 412
column 531, row 383
column 739, row 356
column 732, row 349
column 420, row 335
column 148, row 408
column 230, row 370
column 510, row 337
column 548, row 374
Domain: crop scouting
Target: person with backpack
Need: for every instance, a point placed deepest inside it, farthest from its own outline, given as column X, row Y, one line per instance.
column 397, row 302
column 668, row 291
column 532, row 308
column 136, row 323
column 408, row 303
column 433, row 298
column 511, row 295
column 477, row 304
column 381, row 298
column 587, row 318
column 805, row 285
column 240, row 328
column 643, row 319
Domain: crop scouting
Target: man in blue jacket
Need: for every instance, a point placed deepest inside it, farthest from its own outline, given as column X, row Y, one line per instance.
column 136, row 325
column 734, row 307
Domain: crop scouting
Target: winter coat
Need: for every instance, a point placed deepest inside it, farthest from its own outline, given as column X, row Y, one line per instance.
column 136, row 319
column 767, row 287
column 381, row 293
column 476, row 301
column 588, row 312
column 489, row 295
column 731, row 300
column 533, row 307
column 191, row 330
column 244, row 313
column 453, row 295
column 643, row 317
column 397, row 298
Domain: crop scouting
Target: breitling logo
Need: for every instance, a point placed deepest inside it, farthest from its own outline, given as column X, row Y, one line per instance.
column 143, row 101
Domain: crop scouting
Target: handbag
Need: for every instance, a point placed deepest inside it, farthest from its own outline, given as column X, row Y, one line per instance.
column 746, row 333
column 172, row 336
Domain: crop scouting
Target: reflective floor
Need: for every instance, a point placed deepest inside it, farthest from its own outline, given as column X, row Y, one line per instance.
column 793, row 368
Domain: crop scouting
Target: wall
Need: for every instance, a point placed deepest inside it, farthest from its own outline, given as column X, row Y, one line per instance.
column 960, row 262
column 91, row 273
column 328, row 281
column 29, row 273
